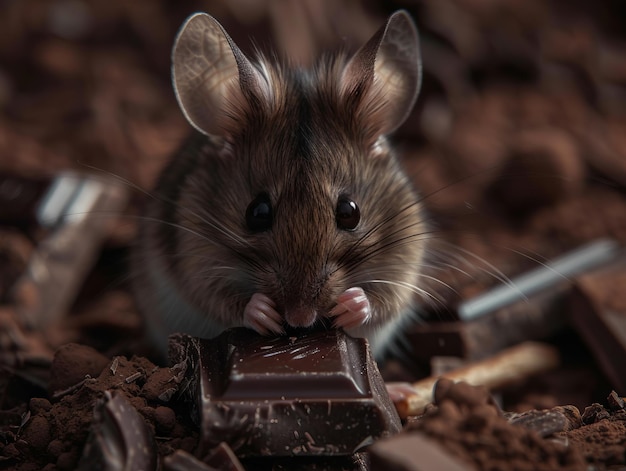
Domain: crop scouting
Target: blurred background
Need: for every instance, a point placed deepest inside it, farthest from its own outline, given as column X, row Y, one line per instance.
column 518, row 141
column 522, row 106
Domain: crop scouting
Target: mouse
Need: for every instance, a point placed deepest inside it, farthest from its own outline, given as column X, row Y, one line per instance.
column 287, row 207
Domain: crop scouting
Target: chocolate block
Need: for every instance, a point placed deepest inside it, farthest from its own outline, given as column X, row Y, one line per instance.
column 221, row 459
column 598, row 311
column 356, row 462
column 535, row 318
column 77, row 212
column 529, row 307
column 319, row 393
column 119, row 438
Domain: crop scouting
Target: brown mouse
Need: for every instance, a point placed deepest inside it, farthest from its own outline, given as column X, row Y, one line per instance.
column 287, row 206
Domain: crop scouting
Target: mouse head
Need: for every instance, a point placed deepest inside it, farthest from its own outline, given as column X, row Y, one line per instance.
column 304, row 167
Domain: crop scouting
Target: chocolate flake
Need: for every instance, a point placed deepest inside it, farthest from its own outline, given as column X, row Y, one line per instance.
column 120, row 438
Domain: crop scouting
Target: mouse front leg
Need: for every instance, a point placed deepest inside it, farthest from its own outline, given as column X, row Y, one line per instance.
column 353, row 309
column 261, row 316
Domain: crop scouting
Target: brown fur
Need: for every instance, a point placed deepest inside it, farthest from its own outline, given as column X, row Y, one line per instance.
column 306, row 143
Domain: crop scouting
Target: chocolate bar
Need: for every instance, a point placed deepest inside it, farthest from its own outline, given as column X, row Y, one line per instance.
column 221, row 459
column 598, row 312
column 530, row 307
column 318, row 393
column 76, row 213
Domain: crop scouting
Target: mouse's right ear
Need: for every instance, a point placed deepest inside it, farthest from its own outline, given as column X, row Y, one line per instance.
column 389, row 68
column 211, row 75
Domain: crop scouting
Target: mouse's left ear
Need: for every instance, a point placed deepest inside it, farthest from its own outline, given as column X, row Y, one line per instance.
column 211, row 76
column 388, row 69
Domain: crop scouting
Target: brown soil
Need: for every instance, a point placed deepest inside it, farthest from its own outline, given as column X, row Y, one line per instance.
column 516, row 144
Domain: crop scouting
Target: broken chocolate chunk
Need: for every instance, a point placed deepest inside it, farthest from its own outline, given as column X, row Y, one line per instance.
column 598, row 312
column 319, row 393
column 221, row 459
column 120, row 438
column 543, row 422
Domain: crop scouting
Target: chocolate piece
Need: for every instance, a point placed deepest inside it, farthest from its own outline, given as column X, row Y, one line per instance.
column 120, row 438
column 544, row 278
column 356, row 462
column 594, row 413
column 529, row 307
column 598, row 312
column 536, row 318
column 543, row 422
column 182, row 461
column 316, row 394
column 221, row 459
column 413, row 452
column 77, row 210
column 615, row 402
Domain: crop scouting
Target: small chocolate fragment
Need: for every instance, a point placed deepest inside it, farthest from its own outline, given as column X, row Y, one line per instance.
column 594, row 413
column 544, row 422
column 119, row 439
column 356, row 462
column 413, row 452
column 615, row 402
column 182, row 461
column 598, row 312
column 222, row 459
column 317, row 394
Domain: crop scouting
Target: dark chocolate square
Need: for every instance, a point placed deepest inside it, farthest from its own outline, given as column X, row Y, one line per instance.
column 318, row 393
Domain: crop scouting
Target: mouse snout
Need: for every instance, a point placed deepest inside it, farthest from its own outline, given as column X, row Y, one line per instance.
column 304, row 309
column 301, row 316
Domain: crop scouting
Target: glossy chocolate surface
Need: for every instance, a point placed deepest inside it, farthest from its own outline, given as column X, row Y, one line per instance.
column 314, row 394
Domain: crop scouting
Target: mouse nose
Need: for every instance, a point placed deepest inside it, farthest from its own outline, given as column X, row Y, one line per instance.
column 300, row 316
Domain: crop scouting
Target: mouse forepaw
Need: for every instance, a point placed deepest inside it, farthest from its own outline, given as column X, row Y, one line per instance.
column 261, row 316
column 353, row 309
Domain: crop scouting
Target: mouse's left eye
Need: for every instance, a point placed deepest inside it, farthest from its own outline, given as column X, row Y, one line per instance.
column 259, row 213
column 347, row 214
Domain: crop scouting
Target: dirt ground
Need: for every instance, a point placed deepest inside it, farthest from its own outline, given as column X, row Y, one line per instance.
column 517, row 145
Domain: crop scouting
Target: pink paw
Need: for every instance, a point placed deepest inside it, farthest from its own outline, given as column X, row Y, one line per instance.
column 260, row 315
column 352, row 310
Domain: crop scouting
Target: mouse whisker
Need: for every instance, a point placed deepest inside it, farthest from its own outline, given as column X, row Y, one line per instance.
column 411, row 287
column 463, row 255
column 185, row 211
column 374, row 229
column 385, row 244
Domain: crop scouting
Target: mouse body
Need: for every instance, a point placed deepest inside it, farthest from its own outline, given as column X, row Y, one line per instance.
column 287, row 207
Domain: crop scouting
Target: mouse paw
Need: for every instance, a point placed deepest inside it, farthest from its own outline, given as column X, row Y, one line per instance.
column 352, row 310
column 261, row 316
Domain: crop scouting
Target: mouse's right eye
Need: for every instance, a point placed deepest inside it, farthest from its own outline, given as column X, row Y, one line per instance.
column 259, row 213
